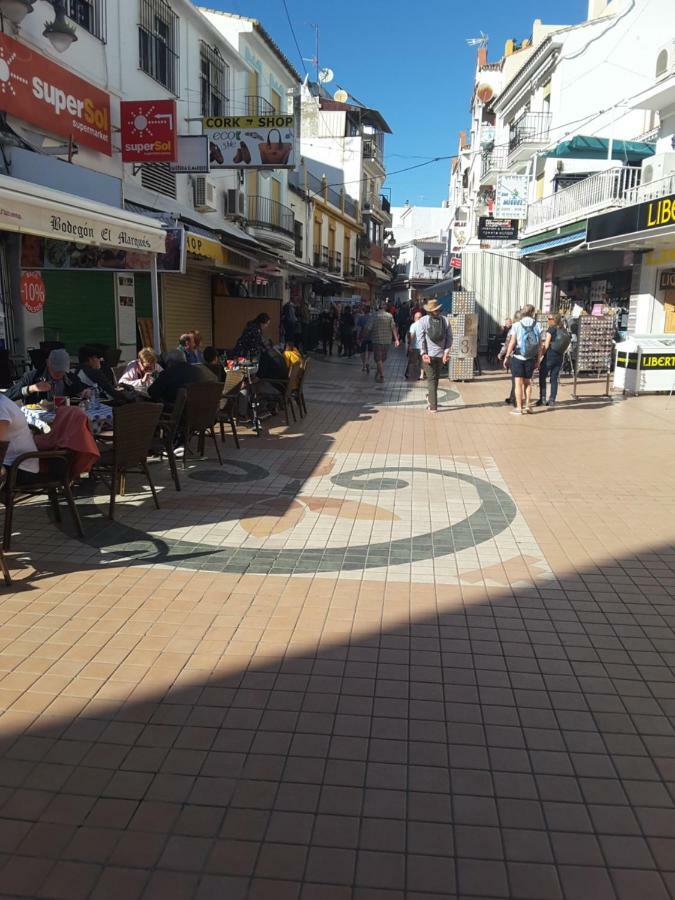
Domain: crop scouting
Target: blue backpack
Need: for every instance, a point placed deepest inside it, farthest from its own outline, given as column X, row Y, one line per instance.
column 529, row 340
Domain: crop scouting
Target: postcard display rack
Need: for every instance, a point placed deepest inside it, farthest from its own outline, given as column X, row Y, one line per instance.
column 594, row 348
column 464, row 323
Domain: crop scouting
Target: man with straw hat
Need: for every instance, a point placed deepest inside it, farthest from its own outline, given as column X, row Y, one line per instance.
column 434, row 339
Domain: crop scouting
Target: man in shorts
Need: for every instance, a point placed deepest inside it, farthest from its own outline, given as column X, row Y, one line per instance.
column 524, row 351
column 363, row 337
column 382, row 331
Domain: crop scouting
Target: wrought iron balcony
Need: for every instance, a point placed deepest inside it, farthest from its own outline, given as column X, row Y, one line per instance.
column 386, row 205
column 321, row 257
column 258, row 106
column 528, row 134
column 270, row 214
column 492, row 163
column 335, row 262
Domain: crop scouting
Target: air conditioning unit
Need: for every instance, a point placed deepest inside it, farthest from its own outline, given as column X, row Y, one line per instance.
column 665, row 60
column 654, row 168
column 205, row 198
column 234, row 202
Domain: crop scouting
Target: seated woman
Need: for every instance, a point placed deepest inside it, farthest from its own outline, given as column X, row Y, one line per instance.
column 252, row 341
column 292, row 355
column 54, row 379
column 14, row 429
column 140, row 373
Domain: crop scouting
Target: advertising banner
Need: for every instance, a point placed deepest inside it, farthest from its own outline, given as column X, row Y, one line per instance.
column 41, row 253
column 44, row 94
column 192, row 155
column 490, row 229
column 148, row 130
column 511, row 196
column 251, row 142
column 32, row 291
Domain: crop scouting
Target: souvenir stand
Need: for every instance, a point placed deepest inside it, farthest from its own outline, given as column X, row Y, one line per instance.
column 594, row 348
column 464, row 323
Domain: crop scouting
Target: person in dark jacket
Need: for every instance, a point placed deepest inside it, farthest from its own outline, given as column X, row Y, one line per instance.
column 252, row 341
column 177, row 374
column 54, row 379
column 91, row 373
column 347, row 331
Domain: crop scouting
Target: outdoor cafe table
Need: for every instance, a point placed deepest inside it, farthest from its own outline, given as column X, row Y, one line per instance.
column 100, row 416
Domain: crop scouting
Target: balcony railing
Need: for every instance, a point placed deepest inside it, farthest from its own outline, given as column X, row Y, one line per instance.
column 266, row 213
column 494, row 161
column 258, row 106
column 321, row 257
column 531, row 128
column 373, row 149
column 600, row 191
column 355, row 269
column 335, row 262
column 386, row 205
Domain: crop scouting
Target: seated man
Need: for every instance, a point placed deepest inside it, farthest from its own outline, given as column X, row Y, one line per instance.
column 92, row 375
column 213, row 363
column 177, row 374
column 54, row 379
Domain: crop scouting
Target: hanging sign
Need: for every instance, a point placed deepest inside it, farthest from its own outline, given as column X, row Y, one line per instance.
column 33, row 291
column 456, row 262
column 250, row 142
column 42, row 93
column 490, row 229
column 192, row 155
column 511, row 196
column 148, row 130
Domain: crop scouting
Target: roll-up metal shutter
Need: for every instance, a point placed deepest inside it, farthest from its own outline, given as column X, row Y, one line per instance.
column 187, row 305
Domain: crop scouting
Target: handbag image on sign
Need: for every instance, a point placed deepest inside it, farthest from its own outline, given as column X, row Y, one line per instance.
column 274, row 153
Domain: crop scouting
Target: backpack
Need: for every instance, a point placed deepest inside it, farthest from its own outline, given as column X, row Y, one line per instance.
column 561, row 341
column 436, row 329
column 529, row 341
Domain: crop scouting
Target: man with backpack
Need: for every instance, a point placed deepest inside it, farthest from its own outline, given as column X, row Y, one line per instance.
column 434, row 340
column 524, row 352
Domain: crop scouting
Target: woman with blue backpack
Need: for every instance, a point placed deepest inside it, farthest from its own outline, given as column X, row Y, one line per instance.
column 524, row 353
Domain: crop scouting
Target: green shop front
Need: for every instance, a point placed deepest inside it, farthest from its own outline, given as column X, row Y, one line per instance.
column 86, row 273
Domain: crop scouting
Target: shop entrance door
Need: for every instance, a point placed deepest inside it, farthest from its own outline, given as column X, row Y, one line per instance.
column 669, row 305
column 125, row 288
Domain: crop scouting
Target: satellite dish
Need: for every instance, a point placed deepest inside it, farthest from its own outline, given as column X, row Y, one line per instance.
column 341, row 96
column 325, row 76
column 484, row 93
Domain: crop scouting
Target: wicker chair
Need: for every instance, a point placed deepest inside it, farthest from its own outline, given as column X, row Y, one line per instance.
column 167, row 430
column 134, row 427
column 201, row 413
column 229, row 405
column 58, row 478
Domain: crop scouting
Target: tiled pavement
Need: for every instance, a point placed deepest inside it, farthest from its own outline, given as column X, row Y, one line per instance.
column 380, row 654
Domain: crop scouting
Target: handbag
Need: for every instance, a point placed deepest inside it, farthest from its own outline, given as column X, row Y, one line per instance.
column 274, row 153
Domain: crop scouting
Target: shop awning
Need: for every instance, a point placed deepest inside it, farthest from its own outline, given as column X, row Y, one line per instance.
column 302, row 269
column 29, row 208
column 446, row 285
column 565, row 240
column 582, row 146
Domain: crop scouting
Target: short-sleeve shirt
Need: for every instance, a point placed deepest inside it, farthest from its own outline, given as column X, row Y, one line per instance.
column 412, row 331
column 381, row 324
column 518, row 329
column 19, row 436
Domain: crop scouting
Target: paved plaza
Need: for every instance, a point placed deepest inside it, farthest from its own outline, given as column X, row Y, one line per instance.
column 379, row 654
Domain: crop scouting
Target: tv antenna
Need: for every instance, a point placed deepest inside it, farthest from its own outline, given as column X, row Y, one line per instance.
column 481, row 41
column 315, row 59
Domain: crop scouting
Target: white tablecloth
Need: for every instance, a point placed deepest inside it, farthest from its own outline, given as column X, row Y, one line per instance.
column 100, row 417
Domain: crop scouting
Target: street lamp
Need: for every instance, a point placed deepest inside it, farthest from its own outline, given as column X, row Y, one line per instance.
column 59, row 33
column 16, row 10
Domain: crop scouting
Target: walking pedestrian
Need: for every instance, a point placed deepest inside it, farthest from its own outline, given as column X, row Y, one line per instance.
column 382, row 332
column 403, row 319
column 413, row 370
column 511, row 399
column 556, row 341
column 434, row 338
column 326, row 331
column 347, row 331
column 524, row 353
column 363, row 337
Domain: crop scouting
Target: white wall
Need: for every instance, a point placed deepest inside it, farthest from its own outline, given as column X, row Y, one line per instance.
column 411, row 222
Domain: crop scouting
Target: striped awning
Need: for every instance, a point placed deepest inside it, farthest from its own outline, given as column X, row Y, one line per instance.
column 576, row 237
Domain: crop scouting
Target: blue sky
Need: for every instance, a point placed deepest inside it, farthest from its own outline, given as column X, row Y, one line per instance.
column 409, row 60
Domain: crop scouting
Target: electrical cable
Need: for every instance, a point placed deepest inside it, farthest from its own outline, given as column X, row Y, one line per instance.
column 297, row 45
